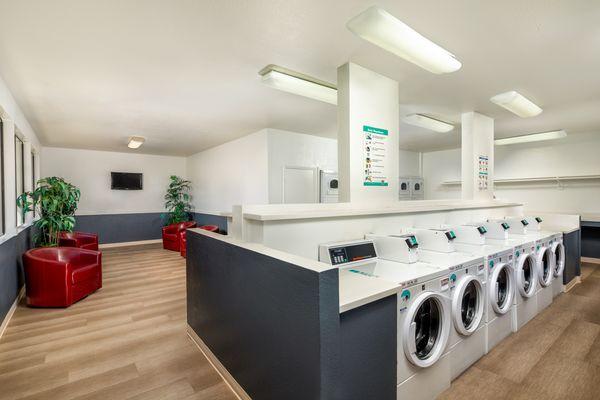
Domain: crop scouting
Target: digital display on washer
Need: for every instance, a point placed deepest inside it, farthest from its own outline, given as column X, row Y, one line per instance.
column 352, row 253
column 538, row 219
column 524, row 222
column 450, row 235
column 482, row 229
column 505, row 226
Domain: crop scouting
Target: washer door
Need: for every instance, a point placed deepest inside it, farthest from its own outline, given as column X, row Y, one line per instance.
column 426, row 329
column 559, row 258
column 502, row 288
column 467, row 305
column 526, row 273
column 545, row 263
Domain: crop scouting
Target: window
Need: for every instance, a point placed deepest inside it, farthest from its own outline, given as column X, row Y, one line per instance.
column 19, row 175
column 33, row 177
column 2, row 227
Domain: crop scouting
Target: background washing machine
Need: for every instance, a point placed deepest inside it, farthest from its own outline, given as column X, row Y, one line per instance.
column 544, row 257
column 423, row 369
column 500, row 284
column 525, row 269
column 328, row 187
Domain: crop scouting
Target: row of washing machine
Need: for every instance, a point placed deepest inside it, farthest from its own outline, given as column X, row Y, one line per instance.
column 462, row 289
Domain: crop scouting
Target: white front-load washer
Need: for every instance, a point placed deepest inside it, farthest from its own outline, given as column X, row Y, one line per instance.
column 467, row 342
column 525, row 269
column 558, row 248
column 544, row 256
column 499, row 261
column 424, row 322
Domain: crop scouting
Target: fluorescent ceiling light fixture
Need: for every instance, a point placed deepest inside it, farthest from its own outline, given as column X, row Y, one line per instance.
column 388, row 32
column 135, row 142
column 297, row 83
column 426, row 122
column 534, row 137
column 517, row 104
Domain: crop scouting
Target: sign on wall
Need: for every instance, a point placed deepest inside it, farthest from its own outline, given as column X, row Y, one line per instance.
column 375, row 146
column 482, row 172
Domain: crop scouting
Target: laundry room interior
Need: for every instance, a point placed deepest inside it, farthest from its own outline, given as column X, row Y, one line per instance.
column 339, row 200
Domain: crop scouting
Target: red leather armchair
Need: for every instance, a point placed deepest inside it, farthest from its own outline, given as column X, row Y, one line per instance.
column 61, row 276
column 183, row 241
column 83, row 240
column 170, row 234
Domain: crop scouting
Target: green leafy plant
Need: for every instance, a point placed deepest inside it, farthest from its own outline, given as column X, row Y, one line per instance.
column 177, row 200
column 56, row 201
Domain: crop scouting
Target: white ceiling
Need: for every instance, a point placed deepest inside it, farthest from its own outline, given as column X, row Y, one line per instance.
column 184, row 74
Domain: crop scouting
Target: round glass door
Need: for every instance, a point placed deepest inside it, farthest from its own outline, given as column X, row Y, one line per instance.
column 559, row 258
column 467, row 305
column 546, row 266
column 501, row 288
column 426, row 329
column 526, row 275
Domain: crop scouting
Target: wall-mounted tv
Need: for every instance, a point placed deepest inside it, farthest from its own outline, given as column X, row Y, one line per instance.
column 126, row 181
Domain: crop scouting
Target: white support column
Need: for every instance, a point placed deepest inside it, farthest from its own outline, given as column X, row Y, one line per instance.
column 477, row 165
column 368, row 124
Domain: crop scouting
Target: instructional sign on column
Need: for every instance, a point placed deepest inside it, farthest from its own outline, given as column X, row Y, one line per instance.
column 375, row 148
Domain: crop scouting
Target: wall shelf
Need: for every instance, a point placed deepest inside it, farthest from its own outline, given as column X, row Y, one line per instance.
column 555, row 179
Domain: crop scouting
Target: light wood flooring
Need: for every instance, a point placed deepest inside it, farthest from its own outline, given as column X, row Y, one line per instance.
column 555, row 356
column 128, row 341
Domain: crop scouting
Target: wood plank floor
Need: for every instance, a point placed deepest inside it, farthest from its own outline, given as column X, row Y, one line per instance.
column 555, row 356
column 128, row 341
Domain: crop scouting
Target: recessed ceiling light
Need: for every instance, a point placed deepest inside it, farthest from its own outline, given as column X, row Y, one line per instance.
column 426, row 122
column 517, row 104
column 534, row 137
column 388, row 32
column 297, row 83
column 135, row 142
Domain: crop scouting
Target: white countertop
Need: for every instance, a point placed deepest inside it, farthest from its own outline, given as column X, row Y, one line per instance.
column 277, row 212
column 357, row 290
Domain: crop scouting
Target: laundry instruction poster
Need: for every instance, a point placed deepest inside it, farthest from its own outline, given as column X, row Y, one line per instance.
column 375, row 148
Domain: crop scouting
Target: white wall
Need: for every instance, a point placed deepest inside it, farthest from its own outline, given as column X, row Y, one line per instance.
column 232, row 173
column 89, row 170
column 577, row 154
column 408, row 163
column 298, row 150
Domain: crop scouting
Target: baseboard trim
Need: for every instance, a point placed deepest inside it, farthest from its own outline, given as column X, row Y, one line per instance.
column 574, row 282
column 235, row 387
column 11, row 311
column 590, row 260
column 126, row 244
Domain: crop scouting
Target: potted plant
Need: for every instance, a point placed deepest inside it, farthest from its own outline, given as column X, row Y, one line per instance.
column 177, row 200
column 56, row 201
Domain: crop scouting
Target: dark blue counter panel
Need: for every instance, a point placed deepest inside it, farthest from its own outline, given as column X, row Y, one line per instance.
column 368, row 355
column 276, row 326
column 273, row 325
column 573, row 253
column 590, row 239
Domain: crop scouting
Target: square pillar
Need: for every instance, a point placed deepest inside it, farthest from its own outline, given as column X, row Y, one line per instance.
column 477, row 156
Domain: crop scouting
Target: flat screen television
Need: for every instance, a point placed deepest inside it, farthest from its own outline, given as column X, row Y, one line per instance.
column 126, row 181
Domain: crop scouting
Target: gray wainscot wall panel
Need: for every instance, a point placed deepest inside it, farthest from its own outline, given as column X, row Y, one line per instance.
column 11, row 268
column 118, row 228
